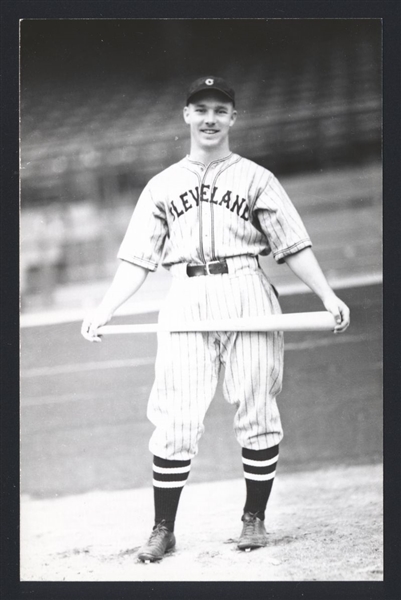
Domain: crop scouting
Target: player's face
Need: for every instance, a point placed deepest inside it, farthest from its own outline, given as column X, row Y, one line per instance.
column 210, row 116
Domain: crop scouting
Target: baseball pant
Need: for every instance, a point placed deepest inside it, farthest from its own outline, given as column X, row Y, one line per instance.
column 188, row 365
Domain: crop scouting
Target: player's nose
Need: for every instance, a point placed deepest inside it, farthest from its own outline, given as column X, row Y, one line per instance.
column 210, row 118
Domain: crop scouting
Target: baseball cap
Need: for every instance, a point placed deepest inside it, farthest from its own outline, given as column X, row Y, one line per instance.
column 211, row 83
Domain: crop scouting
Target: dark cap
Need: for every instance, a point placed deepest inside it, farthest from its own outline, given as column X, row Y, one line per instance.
column 211, row 83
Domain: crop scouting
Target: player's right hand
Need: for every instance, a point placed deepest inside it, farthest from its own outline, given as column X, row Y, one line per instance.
column 92, row 322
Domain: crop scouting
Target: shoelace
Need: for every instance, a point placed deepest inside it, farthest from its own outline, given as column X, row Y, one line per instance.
column 249, row 524
column 156, row 534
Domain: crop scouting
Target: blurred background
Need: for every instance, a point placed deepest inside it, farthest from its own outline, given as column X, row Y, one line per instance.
column 101, row 112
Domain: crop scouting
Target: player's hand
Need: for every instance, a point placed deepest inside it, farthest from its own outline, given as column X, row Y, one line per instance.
column 92, row 322
column 340, row 310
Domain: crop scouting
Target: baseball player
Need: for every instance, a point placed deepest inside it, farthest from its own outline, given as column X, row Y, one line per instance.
column 207, row 218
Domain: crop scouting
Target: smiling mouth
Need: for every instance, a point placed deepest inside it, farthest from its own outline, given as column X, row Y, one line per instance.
column 209, row 131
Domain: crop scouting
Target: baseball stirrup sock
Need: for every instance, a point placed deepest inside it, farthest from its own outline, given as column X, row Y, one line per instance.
column 169, row 477
column 259, row 471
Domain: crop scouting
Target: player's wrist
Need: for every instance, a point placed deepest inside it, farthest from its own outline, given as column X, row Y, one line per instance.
column 104, row 313
column 327, row 296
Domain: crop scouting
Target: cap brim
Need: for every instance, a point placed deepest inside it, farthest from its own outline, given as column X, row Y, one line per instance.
column 210, row 89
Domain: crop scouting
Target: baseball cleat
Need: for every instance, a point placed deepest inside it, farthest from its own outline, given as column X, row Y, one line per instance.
column 253, row 533
column 161, row 540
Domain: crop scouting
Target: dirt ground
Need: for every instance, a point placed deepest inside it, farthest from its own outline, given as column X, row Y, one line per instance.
column 324, row 525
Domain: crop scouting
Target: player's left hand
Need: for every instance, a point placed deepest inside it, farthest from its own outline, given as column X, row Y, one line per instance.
column 340, row 310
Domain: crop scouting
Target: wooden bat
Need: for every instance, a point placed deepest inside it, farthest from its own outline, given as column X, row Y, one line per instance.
column 307, row 321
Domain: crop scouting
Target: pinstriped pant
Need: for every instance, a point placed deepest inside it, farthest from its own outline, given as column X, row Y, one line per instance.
column 188, row 364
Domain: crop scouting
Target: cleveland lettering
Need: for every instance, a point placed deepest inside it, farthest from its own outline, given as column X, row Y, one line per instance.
column 193, row 197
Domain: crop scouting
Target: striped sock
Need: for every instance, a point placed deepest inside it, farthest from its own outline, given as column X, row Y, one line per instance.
column 169, row 477
column 259, row 471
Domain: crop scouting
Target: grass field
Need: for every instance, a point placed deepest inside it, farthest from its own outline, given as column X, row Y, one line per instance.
column 83, row 423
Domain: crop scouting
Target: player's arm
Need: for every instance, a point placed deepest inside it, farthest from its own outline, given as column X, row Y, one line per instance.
column 127, row 280
column 306, row 267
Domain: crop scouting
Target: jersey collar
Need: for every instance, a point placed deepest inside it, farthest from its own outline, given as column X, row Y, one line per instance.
column 201, row 164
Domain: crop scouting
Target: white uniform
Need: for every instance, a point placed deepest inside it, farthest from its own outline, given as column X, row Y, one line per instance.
column 190, row 213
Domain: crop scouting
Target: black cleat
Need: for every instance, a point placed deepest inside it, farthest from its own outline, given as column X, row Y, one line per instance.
column 253, row 533
column 161, row 541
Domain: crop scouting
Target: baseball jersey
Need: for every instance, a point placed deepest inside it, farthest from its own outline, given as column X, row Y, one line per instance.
column 193, row 213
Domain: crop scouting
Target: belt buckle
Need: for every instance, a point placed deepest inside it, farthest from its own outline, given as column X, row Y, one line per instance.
column 207, row 265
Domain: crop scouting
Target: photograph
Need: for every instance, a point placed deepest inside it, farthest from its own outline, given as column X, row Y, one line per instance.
column 201, row 300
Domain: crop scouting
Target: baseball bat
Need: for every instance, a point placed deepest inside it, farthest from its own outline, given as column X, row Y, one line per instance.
column 306, row 321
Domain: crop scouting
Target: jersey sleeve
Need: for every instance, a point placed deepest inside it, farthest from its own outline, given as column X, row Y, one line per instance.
column 280, row 221
column 144, row 239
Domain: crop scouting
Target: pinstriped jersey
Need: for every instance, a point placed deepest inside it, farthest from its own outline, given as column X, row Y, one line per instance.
column 196, row 213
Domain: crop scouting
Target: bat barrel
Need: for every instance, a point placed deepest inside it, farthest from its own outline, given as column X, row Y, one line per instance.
column 313, row 321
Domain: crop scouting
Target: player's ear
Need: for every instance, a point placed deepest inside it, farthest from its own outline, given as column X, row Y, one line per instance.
column 186, row 114
column 233, row 117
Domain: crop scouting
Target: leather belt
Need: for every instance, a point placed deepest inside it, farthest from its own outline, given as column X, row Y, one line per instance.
column 215, row 267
